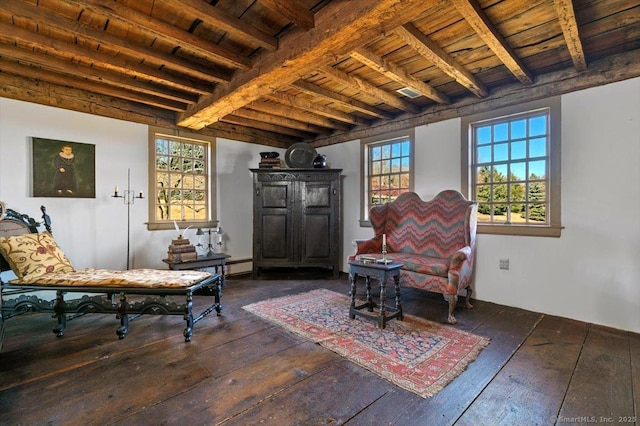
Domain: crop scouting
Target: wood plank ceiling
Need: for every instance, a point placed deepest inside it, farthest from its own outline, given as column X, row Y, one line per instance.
column 277, row 72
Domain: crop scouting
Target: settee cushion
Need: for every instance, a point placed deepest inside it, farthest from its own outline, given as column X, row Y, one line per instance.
column 422, row 264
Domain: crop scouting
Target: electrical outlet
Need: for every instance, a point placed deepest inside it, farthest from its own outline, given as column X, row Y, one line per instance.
column 504, row 263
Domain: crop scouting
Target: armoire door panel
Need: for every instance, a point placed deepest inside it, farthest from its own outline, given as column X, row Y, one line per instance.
column 274, row 196
column 275, row 237
column 317, row 238
column 317, row 195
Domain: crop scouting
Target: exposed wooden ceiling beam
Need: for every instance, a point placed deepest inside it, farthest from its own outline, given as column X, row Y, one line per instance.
column 183, row 39
column 478, row 20
column 432, row 52
column 608, row 70
column 217, row 18
column 74, row 70
column 239, row 118
column 262, row 114
column 340, row 27
column 299, row 102
column 238, row 132
column 71, row 98
column 75, row 99
column 368, row 88
column 305, row 116
column 90, row 86
column 291, row 10
column 569, row 25
column 99, row 60
column 348, row 102
column 38, row 14
column 396, row 73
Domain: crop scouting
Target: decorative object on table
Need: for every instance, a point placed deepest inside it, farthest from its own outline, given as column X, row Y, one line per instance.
column 300, row 156
column 63, row 169
column 320, row 162
column 211, row 248
column 384, row 259
column 129, row 198
column 181, row 250
column 269, row 160
column 415, row 354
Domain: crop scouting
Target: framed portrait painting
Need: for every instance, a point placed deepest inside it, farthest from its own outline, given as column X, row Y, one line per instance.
column 63, row 169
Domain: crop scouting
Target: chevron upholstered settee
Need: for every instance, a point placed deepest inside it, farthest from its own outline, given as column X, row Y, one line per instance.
column 435, row 240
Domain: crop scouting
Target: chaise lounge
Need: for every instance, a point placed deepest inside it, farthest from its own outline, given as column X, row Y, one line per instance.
column 40, row 265
column 435, row 240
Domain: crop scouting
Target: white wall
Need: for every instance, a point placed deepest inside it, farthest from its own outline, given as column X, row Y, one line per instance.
column 93, row 232
column 235, row 196
column 591, row 273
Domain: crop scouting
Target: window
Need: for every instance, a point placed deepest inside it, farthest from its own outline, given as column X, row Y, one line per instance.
column 513, row 169
column 182, row 173
column 387, row 170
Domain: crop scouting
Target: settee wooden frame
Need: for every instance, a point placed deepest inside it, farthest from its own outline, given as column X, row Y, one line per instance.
column 126, row 309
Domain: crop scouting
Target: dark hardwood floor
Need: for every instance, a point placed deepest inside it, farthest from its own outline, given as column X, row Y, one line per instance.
column 241, row 370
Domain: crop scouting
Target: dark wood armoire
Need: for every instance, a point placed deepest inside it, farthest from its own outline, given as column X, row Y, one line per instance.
column 296, row 218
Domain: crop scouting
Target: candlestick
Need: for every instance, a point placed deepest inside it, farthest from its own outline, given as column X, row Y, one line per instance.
column 384, row 248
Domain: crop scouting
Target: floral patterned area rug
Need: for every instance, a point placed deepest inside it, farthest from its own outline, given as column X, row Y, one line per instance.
column 418, row 355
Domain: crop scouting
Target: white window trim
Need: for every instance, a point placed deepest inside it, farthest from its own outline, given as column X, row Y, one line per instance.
column 154, row 224
column 554, row 228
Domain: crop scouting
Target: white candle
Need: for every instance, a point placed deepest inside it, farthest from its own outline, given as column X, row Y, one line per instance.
column 384, row 239
column 115, row 189
column 140, row 194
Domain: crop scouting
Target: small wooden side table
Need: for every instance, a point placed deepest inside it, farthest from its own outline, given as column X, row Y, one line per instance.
column 216, row 261
column 382, row 272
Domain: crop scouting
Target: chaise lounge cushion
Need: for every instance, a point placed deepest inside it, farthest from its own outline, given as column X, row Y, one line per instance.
column 106, row 278
column 33, row 255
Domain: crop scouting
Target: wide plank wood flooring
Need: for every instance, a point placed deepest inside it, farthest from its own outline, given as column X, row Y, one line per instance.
column 242, row 370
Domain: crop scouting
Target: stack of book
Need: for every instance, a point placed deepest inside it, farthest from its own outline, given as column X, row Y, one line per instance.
column 269, row 163
column 181, row 250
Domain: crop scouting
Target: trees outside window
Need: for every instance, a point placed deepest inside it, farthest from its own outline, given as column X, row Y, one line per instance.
column 513, row 169
column 181, row 182
column 387, row 169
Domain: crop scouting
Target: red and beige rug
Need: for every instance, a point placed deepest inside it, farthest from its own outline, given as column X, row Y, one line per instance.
column 415, row 354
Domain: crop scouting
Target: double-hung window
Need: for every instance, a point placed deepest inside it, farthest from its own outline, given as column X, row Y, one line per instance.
column 514, row 169
column 182, row 180
column 387, row 165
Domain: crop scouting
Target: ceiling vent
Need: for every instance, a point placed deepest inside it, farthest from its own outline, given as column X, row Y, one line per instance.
column 410, row 93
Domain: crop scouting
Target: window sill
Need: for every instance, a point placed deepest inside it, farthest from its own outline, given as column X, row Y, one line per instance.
column 521, row 230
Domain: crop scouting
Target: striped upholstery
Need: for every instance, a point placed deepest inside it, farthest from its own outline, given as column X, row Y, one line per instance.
column 434, row 239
